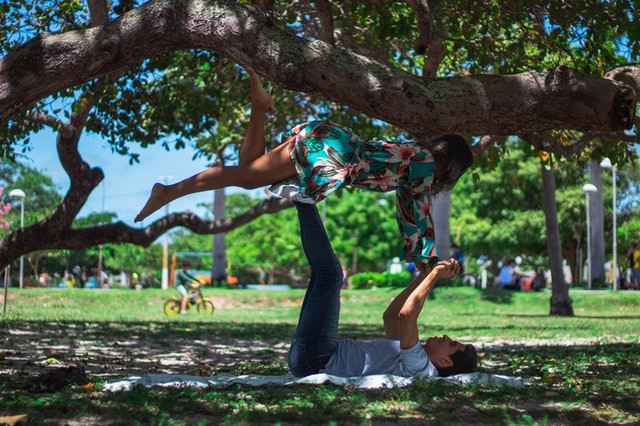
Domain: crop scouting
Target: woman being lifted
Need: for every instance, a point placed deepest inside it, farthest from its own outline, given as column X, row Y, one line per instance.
column 319, row 157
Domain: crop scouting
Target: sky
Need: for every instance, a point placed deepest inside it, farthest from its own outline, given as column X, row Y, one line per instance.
column 125, row 187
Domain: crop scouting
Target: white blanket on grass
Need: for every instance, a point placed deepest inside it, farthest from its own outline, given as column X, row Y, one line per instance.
column 380, row 381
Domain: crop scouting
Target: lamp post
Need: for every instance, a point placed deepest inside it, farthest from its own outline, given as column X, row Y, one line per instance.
column 606, row 164
column 19, row 193
column 165, row 243
column 588, row 188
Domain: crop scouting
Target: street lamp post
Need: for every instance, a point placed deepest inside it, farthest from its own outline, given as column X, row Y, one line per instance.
column 606, row 164
column 19, row 193
column 588, row 188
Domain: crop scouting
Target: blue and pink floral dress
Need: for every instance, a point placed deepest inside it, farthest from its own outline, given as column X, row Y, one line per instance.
column 328, row 156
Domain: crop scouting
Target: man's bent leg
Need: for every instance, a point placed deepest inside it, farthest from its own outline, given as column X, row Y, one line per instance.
column 316, row 335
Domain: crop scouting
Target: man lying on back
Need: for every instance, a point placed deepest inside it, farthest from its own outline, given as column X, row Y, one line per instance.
column 315, row 347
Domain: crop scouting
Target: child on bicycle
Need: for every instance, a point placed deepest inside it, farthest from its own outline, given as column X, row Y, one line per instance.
column 184, row 282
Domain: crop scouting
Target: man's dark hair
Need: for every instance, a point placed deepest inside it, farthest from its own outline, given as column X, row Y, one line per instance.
column 186, row 264
column 464, row 361
column 453, row 157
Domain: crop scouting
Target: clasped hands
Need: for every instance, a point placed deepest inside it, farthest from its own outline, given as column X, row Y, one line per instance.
column 448, row 268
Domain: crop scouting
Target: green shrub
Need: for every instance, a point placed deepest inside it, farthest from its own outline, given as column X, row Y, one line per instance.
column 366, row 280
column 397, row 280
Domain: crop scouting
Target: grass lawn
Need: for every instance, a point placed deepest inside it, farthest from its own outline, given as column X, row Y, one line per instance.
column 58, row 348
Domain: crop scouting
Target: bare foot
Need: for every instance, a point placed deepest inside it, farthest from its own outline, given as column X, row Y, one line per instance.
column 260, row 98
column 156, row 200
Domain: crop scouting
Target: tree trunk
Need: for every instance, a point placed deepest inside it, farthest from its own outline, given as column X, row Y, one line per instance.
column 572, row 252
column 354, row 254
column 219, row 267
column 441, row 210
column 597, row 224
column 561, row 303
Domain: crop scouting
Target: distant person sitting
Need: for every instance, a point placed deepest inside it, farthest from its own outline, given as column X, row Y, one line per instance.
column 316, row 348
column 509, row 276
column 185, row 281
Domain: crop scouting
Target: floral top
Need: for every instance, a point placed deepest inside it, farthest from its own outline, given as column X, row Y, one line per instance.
column 328, row 156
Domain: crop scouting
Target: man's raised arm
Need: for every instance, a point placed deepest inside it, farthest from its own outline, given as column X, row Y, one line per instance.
column 401, row 316
column 390, row 316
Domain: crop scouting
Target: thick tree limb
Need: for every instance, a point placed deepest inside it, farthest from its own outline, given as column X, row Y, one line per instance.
column 628, row 74
column 477, row 105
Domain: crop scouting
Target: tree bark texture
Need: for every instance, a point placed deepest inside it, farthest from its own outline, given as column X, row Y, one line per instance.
column 219, row 266
column 441, row 211
column 561, row 304
column 572, row 253
column 596, row 208
column 474, row 105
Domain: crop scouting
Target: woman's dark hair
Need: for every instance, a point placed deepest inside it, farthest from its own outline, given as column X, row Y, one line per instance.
column 452, row 156
column 464, row 361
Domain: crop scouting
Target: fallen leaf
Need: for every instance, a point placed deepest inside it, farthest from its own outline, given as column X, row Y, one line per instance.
column 12, row 420
column 88, row 386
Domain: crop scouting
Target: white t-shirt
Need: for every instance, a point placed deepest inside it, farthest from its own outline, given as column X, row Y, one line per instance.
column 362, row 358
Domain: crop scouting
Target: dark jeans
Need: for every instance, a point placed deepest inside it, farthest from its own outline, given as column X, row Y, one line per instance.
column 316, row 336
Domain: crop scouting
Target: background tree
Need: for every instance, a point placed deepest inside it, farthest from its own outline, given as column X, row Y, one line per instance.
column 145, row 261
column 496, row 211
column 361, row 225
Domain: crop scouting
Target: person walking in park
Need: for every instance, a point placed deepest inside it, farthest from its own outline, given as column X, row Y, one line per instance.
column 319, row 157
column 315, row 346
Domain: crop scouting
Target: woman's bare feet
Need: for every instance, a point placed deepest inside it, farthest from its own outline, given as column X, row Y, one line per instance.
column 157, row 199
column 260, row 98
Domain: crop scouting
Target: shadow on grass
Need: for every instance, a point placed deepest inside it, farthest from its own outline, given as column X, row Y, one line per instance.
column 568, row 381
column 497, row 295
column 568, row 386
column 605, row 317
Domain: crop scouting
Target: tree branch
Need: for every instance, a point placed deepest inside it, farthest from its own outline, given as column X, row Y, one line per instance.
column 40, row 236
column 628, row 74
column 99, row 12
column 428, row 42
column 45, row 119
column 325, row 32
column 477, row 105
